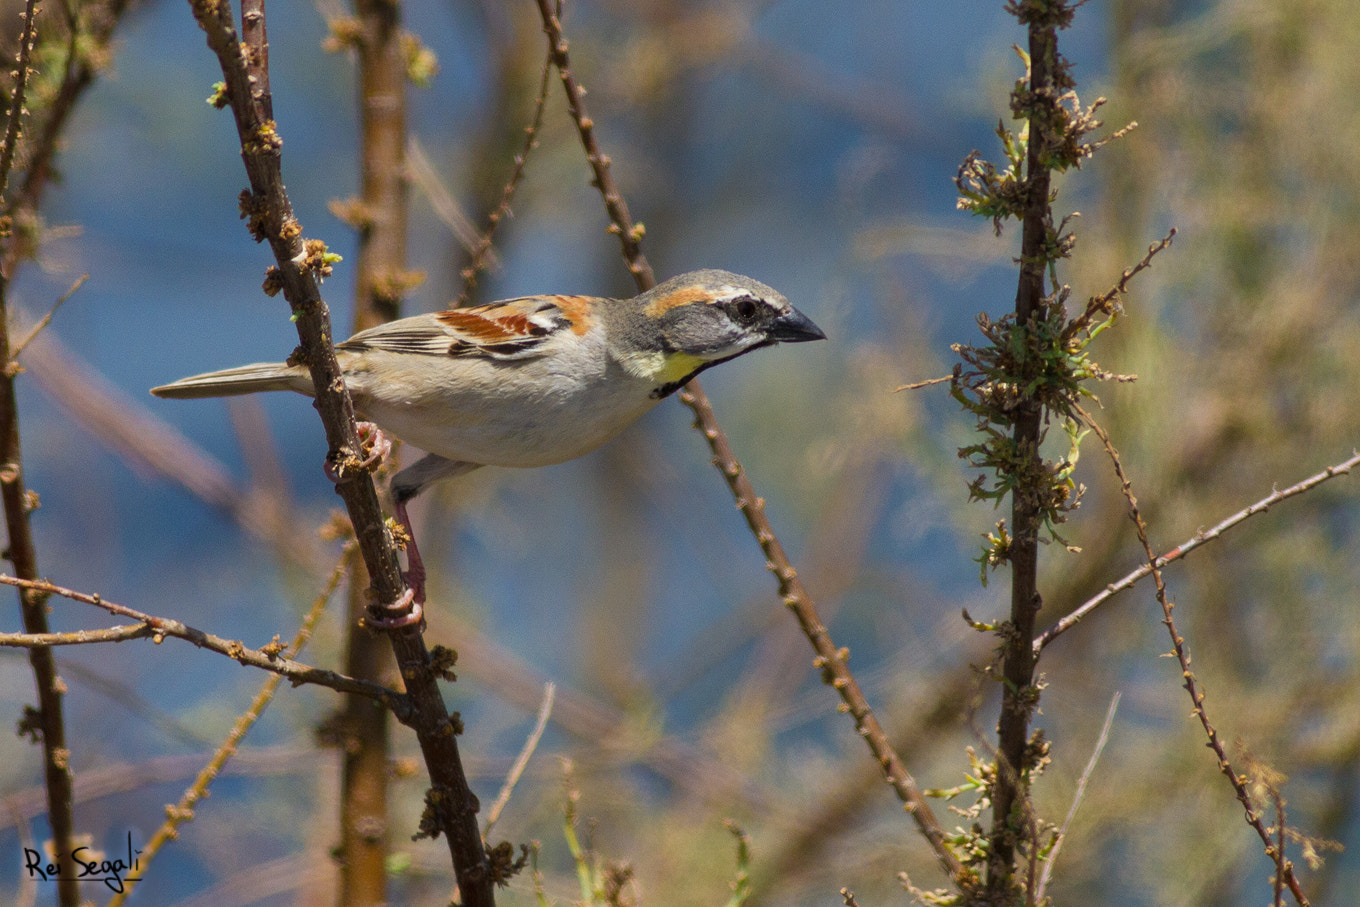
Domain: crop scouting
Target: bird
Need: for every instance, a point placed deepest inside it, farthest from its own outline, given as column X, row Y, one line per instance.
column 524, row 382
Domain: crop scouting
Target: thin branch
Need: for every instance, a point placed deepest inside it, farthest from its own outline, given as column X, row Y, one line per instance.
column 1200, row 538
column 426, row 178
column 522, row 760
column 917, row 385
column 1077, row 797
column 44, row 321
column 1277, row 881
column 268, row 658
column 830, row 660
column 482, row 254
column 620, row 222
column 27, row 38
column 183, row 811
column 88, row 42
column 120, row 633
column 1238, row 782
column 46, row 724
column 1107, row 302
column 451, row 805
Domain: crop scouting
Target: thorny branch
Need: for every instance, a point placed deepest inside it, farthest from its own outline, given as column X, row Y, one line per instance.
column 620, row 221
column 27, row 39
column 481, row 252
column 149, row 626
column 1239, row 782
column 1200, row 538
column 1019, row 695
column 183, row 811
column 452, row 807
column 1107, row 303
column 46, row 725
column 830, row 660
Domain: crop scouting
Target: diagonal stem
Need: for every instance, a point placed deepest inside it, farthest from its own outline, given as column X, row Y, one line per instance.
column 1285, row 869
column 1202, row 537
column 451, row 805
column 829, row 660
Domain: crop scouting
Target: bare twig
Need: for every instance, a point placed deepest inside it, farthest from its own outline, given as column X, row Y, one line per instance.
column 1236, row 780
column 28, row 37
column 830, row 660
column 268, row 658
column 120, row 633
column 522, row 760
column 620, row 222
column 1086, row 773
column 482, row 254
column 917, row 385
column 88, row 40
column 44, row 321
column 451, row 804
column 423, row 174
column 1200, row 538
column 183, row 811
column 1107, row 302
column 1277, row 881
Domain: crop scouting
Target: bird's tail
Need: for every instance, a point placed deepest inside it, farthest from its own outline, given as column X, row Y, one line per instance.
column 247, row 379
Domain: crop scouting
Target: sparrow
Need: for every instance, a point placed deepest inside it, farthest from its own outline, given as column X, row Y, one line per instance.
column 525, row 382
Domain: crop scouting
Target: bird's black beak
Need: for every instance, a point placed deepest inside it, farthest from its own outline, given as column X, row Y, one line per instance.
column 795, row 327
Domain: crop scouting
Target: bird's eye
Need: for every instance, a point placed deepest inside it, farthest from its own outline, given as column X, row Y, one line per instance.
column 746, row 310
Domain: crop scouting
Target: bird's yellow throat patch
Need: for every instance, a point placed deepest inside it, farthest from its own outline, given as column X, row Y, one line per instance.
column 661, row 368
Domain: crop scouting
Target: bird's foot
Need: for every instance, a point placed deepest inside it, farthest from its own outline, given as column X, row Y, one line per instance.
column 375, row 445
column 406, row 611
column 415, row 567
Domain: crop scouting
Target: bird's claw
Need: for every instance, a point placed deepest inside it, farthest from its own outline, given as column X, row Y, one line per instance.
column 375, row 445
column 406, row 611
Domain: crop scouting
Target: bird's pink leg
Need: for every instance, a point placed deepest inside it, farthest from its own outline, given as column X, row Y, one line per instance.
column 407, row 610
column 412, row 601
column 415, row 567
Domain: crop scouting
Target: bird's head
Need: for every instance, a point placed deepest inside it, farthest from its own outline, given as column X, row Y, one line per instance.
column 697, row 320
